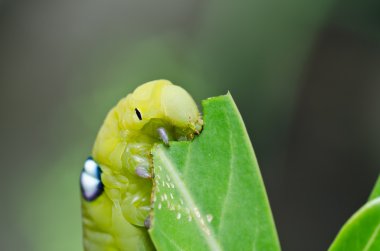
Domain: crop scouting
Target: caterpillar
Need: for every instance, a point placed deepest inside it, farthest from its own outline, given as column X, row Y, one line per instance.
column 116, row 181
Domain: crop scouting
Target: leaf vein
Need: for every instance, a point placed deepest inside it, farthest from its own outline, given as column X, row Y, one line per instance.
column 170, row 240
column 231, row 161
column 372, row 238
column 183, row 190
column 186, row 167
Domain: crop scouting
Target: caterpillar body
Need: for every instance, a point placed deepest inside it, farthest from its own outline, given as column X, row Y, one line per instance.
column 116, row 181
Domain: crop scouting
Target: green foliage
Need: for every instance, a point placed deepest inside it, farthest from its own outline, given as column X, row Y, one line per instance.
column 362, row 231
column 209, row 193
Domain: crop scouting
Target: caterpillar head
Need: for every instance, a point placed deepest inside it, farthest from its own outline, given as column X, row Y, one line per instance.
column 162, row 102
column 139, row 118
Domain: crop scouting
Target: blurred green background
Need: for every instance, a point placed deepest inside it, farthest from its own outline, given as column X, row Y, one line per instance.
column 305, row 76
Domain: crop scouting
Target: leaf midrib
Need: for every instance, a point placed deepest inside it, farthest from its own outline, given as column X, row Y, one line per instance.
column 372, row 238
column 183, row 190
column 231, row 161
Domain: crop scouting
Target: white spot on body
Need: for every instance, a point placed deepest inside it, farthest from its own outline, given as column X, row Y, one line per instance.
column 178, row 216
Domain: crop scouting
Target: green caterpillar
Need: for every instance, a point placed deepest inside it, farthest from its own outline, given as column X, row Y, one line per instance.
column 116, row 182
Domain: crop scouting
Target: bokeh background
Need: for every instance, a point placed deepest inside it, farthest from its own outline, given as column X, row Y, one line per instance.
column 305, row 76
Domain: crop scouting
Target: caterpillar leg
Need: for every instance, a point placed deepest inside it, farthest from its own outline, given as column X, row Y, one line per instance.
column 163, row 135
column 147, row 222
column 143, row 172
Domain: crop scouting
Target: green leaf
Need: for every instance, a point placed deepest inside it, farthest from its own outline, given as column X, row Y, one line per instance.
column 362, row 230
column 209, row 194
column 376, row 190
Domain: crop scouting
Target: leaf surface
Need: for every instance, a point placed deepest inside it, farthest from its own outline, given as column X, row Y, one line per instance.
column 362, row 230
column 209, row 194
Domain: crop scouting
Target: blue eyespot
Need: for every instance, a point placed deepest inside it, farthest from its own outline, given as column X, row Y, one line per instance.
column 90, row 180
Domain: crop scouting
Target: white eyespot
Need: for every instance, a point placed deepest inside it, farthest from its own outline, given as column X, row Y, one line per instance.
column 90, row 180
column 90, row 185
column 91, row 167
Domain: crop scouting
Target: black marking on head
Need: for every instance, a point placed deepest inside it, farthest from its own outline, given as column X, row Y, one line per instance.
column 138, row 114
column 90, row 180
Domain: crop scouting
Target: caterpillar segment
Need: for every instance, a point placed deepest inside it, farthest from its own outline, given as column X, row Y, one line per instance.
column 116, row 181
